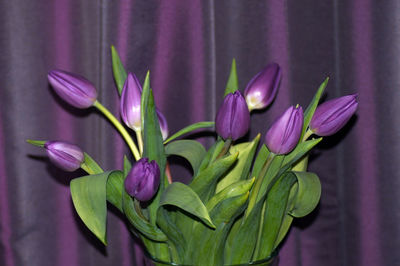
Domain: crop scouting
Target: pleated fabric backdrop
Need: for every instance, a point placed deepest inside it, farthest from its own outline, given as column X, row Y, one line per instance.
column 188, row 47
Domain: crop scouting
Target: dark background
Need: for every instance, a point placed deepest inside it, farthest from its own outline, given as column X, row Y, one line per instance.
column 188, row 47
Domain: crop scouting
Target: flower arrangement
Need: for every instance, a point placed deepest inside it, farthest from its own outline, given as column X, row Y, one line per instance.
column 241, row 201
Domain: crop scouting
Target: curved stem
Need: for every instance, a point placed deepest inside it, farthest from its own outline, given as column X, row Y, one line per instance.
column 119, row 127
column 139, row 140
column 307, row 134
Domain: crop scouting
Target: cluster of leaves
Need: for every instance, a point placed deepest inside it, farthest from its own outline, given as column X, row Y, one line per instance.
column 219, row 217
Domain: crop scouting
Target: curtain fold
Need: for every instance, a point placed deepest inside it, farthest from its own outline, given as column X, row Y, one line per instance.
column 188, row 47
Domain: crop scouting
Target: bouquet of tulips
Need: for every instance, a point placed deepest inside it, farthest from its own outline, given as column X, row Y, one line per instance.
column 242, row 199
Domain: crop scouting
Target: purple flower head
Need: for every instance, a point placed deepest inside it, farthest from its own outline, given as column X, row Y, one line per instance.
column 285, row 132
column 143, row 180
column 67, row 156
column 72, row 88
column 233, row 117
column 261, row 90
column 163, row 124
column 130, row 102
column 332, row 115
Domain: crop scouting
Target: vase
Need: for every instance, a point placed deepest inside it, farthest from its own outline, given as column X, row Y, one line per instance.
column 272, row 260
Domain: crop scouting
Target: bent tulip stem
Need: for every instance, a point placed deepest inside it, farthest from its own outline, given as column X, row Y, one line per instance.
column 307, row 134
column 225, row 149
column 139, row 140
column 119, row 127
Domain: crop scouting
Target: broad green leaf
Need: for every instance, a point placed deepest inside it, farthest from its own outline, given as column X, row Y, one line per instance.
column 89, row 197
column 309, row 112
column 191, row 150
column 232, row 84
column 212, row 242
column 219, row 145
column 241, row 169
column 183, row 197
column 308, row 194
column 206, row 181
column 275, row 208
column 157, row 250
column 118, row 69
column 209, row 155
column 153, row 147
column 192, row 127
column 115, row 186
column 261, row 157
column 145, row 98
column 138, row 221
column 176, row 240
column 245, row 238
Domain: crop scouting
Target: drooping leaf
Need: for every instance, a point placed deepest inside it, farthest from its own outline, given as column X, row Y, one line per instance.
column 89, row 197
column 232, row 84
column 190, row 128
column 138, row 221
column 309, row 112
column 118, row 69
column 115, row 186
column 183, row 197
column 191, row 150
column 308, row 194
column 241, row 169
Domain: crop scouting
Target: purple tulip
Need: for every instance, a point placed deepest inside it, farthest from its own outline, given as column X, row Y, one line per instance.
column 130, row 102
column 67, row 156
column 285, row 132
column 233, row 117
column 74, row 89
column 261, row 90
column 332, row 115
column 143, row 180
column 163, row 124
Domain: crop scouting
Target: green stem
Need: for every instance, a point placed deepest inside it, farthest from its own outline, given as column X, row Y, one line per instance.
column 257, row 185
column 257, row 248
column 120, row 128
column 307, row 135
column 139, row 140
column 225, row 149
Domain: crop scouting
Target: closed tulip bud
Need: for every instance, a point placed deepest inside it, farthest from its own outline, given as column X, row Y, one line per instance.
column 74, row 89
column 285, row 132
column 261, row 90
column 163, row 124
column 233, row 117
column 143, row 180
column 332, row 115
column 130, row 102
column 67, row 156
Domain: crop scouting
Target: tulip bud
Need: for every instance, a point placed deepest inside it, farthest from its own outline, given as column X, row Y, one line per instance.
column 261, row 90
column 233, row 117
column 163, row 124
column 143, row 180
column 74, row 89
column 332, row 115
column 67, row 156
column 130, row 102
column 285, row 132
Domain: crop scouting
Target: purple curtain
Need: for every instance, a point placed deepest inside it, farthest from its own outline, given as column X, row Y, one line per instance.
column 188, row 47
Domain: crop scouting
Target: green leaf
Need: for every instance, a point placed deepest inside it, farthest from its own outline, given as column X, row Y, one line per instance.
column 115, row 187
column 145, row 98
column 191, row 150
column 91, row 164
column 198, row 125
column 183, row 197
column 138, row 221
column 118, row 69
column 232, row 84
column 241, row 169
column 89, row 198
column 308, row 194
column 153, row 147
column 212, row 242
column 205, row 182
column 38, row 143
column 275, row 211
column 309, row 112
